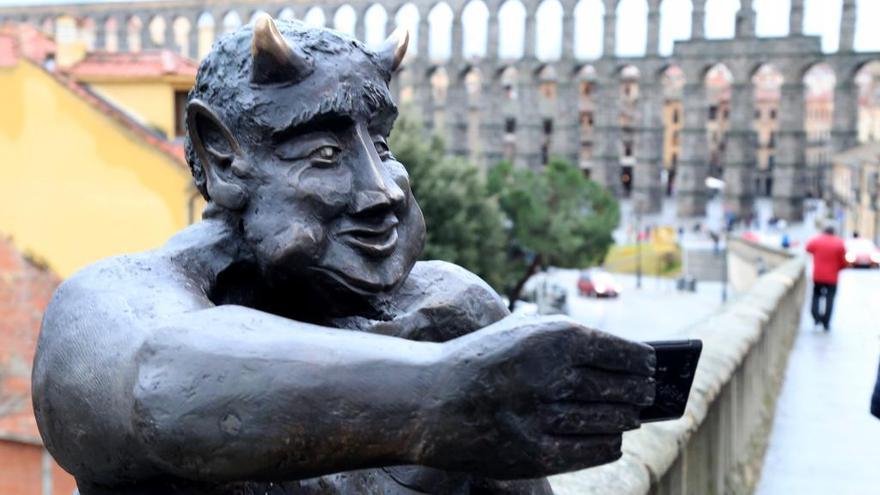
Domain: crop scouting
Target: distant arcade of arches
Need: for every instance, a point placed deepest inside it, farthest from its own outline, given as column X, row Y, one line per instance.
column 598, row 82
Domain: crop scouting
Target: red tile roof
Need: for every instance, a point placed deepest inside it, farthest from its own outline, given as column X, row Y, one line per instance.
column 156, row 63
column 25, row 290
column 173, row 150
column 18, row 41
column 8, row 50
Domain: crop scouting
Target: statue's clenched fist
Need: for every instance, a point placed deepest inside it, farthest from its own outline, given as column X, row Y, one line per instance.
column 529, row 397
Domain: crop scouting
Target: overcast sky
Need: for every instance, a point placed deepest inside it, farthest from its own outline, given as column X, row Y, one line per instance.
column 822, row 17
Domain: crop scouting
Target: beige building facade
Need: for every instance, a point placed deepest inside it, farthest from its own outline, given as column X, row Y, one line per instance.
column 855, row 190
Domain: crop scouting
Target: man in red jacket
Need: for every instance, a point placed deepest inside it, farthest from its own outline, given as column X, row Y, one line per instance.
column 829, row 257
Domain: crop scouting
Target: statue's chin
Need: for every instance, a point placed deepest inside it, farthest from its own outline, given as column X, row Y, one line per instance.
column 349, row 282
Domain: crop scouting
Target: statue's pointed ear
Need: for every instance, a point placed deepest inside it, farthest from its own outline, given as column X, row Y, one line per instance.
column 393, row 49
column 219, row 154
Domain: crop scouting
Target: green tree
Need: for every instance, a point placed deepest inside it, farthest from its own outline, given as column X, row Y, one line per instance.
column 465, row 224
column 558, row 217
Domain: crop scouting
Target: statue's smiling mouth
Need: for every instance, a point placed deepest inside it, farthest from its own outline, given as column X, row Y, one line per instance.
column 372, row 240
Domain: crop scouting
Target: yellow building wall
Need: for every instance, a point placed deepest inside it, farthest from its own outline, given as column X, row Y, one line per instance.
column 151, row 103
column 75, row 186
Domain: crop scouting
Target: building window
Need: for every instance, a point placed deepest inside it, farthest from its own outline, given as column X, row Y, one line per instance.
column 757, row 114
column 548, row 90
column 179, row 113
column 713, row 112
column 675, row 116
column 548, row 127
column 773, row 114
column 510, row 125
column 586, row 89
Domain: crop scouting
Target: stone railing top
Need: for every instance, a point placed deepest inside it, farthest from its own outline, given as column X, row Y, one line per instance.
column 745, row 247
column 727, row 338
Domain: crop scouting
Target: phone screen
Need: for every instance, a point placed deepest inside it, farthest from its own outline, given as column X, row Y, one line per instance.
column 676, row 366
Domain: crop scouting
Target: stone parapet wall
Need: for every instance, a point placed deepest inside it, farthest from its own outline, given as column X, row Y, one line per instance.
column 747, row 261
column 717, row 447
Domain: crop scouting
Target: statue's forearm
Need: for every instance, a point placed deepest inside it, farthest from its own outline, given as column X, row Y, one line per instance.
column 274, row 399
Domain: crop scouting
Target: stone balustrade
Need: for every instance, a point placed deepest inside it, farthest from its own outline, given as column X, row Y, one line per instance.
column 717, row 447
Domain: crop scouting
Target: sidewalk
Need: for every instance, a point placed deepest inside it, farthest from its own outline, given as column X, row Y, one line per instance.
column 824, row 440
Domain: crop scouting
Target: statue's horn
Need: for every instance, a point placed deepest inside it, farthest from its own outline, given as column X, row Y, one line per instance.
column 393, row 49
column 274, row 61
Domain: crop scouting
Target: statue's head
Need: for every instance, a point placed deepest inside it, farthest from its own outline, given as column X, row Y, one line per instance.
column 286, row 133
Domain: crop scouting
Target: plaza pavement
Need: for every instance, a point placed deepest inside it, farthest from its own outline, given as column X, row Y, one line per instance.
column 824, row 440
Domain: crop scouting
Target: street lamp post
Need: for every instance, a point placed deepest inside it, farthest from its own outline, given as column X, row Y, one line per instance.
column 724, row 269
column 638, row 247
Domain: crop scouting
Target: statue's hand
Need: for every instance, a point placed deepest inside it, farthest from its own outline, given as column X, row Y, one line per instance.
column 529, row 397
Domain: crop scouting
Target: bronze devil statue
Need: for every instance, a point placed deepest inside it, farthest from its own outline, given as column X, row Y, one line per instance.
column 290, row 343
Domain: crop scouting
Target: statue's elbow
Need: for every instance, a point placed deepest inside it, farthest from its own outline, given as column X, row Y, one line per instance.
column 171, row 414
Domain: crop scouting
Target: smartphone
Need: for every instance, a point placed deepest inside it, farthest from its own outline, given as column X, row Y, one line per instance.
column 676, row 366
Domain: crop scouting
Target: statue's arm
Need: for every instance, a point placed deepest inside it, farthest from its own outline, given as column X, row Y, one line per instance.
column 273, row 398
column 218, row 393
column 132, row 385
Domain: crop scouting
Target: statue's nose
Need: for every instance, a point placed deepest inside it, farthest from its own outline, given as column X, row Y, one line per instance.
column 376, row 193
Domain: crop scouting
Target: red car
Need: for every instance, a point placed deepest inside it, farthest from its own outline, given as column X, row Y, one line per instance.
column 597, row 283
column 862, row 253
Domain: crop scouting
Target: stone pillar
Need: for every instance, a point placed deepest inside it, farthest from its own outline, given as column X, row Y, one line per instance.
column 424, row 96
column 796, row 18
column 693, row 164
column 492, row 36
column 609, row 37
column 698, row 20
column 360, row 26
column 791, row 142
column 101, row 33
column 647, row 173
column 424, row 37
column 529, row 121
column 606, row 131
column 122, row 33
column 568, row 27
column 170, row 42
column 492, row 120
column 847, row 26
column 146, row 39
column 457, row 35
column 566, row 127
column 193, row 36
column 529, row 41
column 456, row 114
column 845, row 117
column 653, row 46
column 745, row 20
column 739, row 158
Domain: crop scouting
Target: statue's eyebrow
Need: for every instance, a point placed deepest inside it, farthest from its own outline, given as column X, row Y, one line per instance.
column 383, row 119
column 326, row 122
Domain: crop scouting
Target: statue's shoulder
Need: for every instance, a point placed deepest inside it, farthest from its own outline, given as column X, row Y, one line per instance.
column 450, row 298
column 142, row 278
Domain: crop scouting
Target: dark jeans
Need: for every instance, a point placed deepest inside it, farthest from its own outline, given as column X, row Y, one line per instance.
column 823, row 292
column 875, row 397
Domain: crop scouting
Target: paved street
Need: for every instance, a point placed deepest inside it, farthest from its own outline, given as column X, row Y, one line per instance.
column 656, row 311
column 824, row 440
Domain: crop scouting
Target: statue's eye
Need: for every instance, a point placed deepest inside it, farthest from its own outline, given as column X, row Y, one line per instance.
column 382, row 149
column 325, row 155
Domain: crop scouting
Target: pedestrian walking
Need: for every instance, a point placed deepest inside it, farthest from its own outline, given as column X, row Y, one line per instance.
column 829, row 257
column 875, row 397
